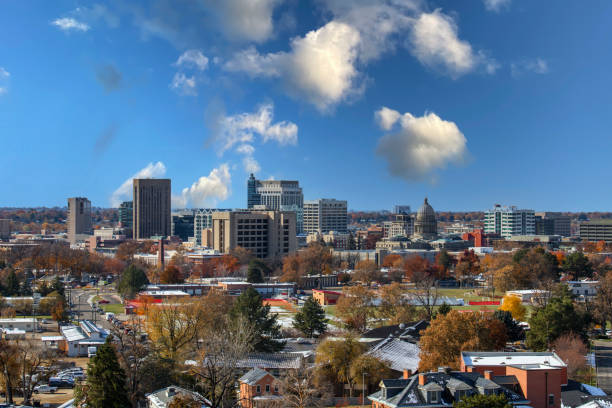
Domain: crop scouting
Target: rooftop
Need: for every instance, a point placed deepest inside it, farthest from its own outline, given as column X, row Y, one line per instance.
column 530, row 360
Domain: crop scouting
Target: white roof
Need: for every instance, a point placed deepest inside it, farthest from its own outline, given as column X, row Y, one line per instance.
column 518, row 358
column 13, row 331
column 73, row 333
column 51, row 338
column 164, row 293
column 402, row 355
column 17, row 320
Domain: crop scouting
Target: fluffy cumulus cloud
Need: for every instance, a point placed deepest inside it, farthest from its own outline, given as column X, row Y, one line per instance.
column 536, row 66
column 435, row 43
column 70, row 24
column 418, row 146
column 183, row 84
column 207, row 190
column 193, row 59
column 239, row 132
column 319, row 68
column 496, row 5
column 124, row 192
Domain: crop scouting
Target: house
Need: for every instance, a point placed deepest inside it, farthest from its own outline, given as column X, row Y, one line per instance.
column 583, row 290
column 400, row 354
column 77, row 339
column 438, row 389
column 162, row 398
column 258, row 388
column 578, row 395
column 326, row 297
column 274, row 363
column 410, row 332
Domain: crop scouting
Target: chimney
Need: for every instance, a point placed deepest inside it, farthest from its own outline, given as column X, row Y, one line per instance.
column 422, row 379
column 407, row 374
column 469, row 369
column 488, row 374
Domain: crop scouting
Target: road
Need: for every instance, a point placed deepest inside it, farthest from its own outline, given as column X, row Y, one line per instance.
column 603, row 357
column 83, row 309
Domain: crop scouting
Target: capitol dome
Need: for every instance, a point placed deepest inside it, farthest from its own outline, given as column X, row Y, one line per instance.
column 425, row 224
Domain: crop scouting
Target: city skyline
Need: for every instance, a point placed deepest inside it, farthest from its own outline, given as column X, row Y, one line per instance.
column 507, row 99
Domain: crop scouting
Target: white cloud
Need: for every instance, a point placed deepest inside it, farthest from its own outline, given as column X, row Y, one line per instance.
column 420, row 146
column 70, row 24
column 251, row 165
column 207, row 190
column 244, row 20
column 496, row 5
column 386, row 117
column 184, row 85
column 319, row 68
column 123, row 193
column 537, row 66
column 4, row 73
column 193, row 58
column 435, row 43
column 95, row 13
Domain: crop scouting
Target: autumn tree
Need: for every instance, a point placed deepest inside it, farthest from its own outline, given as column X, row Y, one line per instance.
column 9, row 368
column 374, row 369
column 334, row 359
column 171, row 274
column 354, row 308
column 468, row 266
column 395, row 307
column 603, row 300
column 572, row 350
column 366, row 272
column 513, row 304
column 185, row 401
column 34, row 363
column 444, row 262
column 447, row 335
column 243, row 255
column 576, row 265
column 392, row 261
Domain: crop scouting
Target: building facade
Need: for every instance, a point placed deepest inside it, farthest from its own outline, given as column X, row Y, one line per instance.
column 401, row 209
column 325, row 215
column 79, row 218
column 425, row 222
column 151, row 208
column 596, row 230
column 125, row 212
column 5, row 229
column 183, row 224
column 508, row 221
column 273, row 193
column 202, row 224
column 553, row 223
column 268, row 234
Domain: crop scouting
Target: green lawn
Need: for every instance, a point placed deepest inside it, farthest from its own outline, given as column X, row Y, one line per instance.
column 116, row 308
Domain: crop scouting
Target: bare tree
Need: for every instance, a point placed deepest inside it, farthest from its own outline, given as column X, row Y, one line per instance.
column 426, row 292
column 299, row 389
column 221, row 350
column 31, row 358
column 8, row 367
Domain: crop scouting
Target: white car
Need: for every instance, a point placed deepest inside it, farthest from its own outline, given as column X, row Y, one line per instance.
column 44, row 389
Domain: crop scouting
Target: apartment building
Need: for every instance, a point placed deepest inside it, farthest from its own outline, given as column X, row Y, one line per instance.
column 509, row 221
column 553, row 223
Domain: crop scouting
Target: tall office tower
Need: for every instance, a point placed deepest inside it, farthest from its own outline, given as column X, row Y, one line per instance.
column 553, row 223
column 267, row 234
column 273, row 193
column 183, row 224
column 125, row 212
column 151, row 213
column 325, row 215
column 509, row 221
column 401, row 209
column 5, row 229
column 79, row 219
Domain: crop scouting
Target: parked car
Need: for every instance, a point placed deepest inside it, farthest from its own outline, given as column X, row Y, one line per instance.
column 44, row 389
column 103, row 301
column 61, row 382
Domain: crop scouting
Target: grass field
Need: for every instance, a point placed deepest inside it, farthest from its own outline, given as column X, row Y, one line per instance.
column 115, row 308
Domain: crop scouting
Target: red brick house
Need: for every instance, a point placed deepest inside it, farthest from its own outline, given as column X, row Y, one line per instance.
column 258, row 389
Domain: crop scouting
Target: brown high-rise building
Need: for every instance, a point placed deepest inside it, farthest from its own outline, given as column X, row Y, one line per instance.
column 151, row 208
column 79, row 219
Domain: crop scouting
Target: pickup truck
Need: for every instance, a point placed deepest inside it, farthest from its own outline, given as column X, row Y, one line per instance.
column 44, row 389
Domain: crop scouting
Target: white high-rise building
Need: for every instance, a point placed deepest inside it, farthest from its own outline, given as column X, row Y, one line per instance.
column 325, row 215
column 509, row 221
column 274, row 193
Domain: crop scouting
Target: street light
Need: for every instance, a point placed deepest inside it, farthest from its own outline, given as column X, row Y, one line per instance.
column 363, row 374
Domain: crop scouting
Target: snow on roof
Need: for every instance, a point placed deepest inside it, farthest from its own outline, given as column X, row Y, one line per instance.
column 402, row 355
column 511, row 358
column 73, row 333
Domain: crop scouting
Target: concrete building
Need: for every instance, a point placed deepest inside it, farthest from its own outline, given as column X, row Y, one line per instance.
column 596, row 230
column 183, row 224
column 508, row 221
column 553, row 223
column 401, row 209
column 335, row 239
column 151, row 212
column 273, row 193
column 202, row 225
column 268, row 234
column 425, row 223
column 25, row 324
column 325, row 215
column 79, row 219
column 5, row 229
column 402, row 226
column 125, row 212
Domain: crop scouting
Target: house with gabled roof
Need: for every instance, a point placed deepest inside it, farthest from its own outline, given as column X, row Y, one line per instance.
column 258, row 389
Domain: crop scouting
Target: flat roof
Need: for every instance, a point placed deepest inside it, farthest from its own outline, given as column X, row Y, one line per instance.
column 511, row 359
column 15, row 320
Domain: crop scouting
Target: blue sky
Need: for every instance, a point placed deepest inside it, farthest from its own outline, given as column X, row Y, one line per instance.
column 384, row 102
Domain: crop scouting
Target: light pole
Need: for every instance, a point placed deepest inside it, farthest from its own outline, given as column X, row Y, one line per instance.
column 363, row 374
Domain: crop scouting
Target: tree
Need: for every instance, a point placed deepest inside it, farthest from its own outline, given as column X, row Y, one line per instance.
column 447, row 335
column 255, row 271
column 11, row 286
column 395, row 307
column 369, row 369
column 59, row 311
column 266, row 328
column 354, row 308
column 185, row 401
column 443, row 309
column 468, row 265
column 558, row 317
column 572, row 350
column 105, row 384
column 514, row 305
column 334, row 359
column 9, row 368
column 34, row 363
column 426, row 290
column 444, row 261
column 132, row 281
column 483, row 401
column 311, row 319
column 577, row 265
column 366, row 272
column 299, row 389
column 171, row 274
column 603, row 300
column 242, row 254
column 513, row 330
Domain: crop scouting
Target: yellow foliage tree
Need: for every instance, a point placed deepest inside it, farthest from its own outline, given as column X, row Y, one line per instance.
column 513, row 305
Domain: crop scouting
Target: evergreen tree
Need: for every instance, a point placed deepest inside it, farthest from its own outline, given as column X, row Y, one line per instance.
column 57, row 286
column 577, row 265
column 12, row 284
column 255, row 272
column 132, row 281
column 105, row 385
column 514, row 331
column 483, row 401
column 311, row 319
column 444, row 309
column 265, row 326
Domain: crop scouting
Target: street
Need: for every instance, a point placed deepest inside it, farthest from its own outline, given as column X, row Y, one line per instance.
column 603, row 358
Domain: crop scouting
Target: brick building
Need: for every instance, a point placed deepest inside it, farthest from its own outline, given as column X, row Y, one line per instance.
column 258, row 388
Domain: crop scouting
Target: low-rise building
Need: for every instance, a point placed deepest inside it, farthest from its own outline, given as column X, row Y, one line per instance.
column 77, row 339
column 162, row 398
column 583, row 290
column 26, row 324
column 596, row 230
column 326, row 297
column 258, row 388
